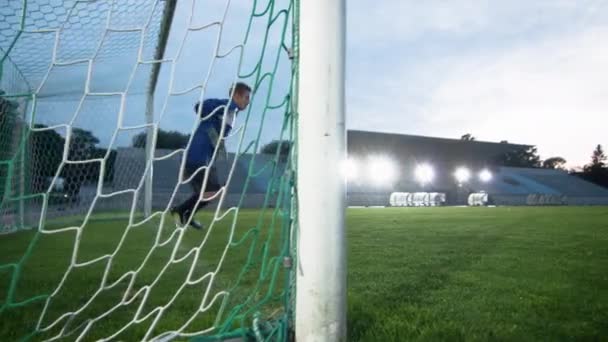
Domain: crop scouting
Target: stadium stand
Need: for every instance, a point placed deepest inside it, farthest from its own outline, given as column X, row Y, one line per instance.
column 509, row 185
column 512, row 186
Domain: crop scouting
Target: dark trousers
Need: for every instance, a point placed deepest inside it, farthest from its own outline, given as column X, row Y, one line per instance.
column 192, row 204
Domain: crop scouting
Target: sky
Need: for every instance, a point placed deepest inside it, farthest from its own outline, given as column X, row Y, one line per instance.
column 529, row 72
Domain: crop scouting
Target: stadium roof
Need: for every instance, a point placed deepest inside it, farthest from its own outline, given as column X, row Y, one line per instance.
column 410, row 148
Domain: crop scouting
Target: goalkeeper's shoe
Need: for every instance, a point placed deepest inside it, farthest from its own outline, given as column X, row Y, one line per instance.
column 183, row 219
column 194, row 223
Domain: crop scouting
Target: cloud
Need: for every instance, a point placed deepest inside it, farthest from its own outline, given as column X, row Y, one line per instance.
column 398, row 20
column 551, row 94
column 479, row 76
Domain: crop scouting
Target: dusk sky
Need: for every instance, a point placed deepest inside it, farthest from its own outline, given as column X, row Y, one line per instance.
column 530, row 72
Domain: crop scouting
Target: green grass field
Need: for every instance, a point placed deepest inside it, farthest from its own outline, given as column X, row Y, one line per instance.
column 251, row 271
column 517, row 274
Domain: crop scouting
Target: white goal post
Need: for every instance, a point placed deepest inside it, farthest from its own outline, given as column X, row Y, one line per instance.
column 321, row 269
column 163, row 36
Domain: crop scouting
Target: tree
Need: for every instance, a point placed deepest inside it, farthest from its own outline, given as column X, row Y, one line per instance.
column 82, row 144
column 171, row 140
column 597, row 171
column 467, row 137
column 273, row 146
column 46, row 150
column 10, row 127
column 598, row 159
column 520, row 158
column 81, row 147
column 554, row 163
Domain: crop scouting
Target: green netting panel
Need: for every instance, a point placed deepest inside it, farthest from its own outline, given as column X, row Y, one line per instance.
column 80, row 260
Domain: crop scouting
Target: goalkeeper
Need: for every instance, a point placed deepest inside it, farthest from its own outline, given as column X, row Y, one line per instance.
column 204, row 142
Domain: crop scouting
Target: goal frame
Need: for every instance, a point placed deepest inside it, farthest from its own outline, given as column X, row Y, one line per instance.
column 321, row 182
column 320, row 190
column 320, row 45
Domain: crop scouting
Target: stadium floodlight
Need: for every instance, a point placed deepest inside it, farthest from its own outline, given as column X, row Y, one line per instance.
column 485, row 175
column 381, row 170
column 424, row 173
column 350, row 170
column 462, row 175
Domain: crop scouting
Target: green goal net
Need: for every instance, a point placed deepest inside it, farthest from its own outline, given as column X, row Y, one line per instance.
column 96, row 113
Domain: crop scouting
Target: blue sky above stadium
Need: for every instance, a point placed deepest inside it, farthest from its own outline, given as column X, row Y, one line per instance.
column 530, row 72
column 527, row 72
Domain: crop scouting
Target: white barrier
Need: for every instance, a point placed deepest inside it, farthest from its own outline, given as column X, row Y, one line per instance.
column 432, row 199
column 478, row 199
column 394, row 200
column 420, row 198
column 436, row 199
column 409, row 200
column 417, row 199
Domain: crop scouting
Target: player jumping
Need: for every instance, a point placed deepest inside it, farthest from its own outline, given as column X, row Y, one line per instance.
column 204, row 142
